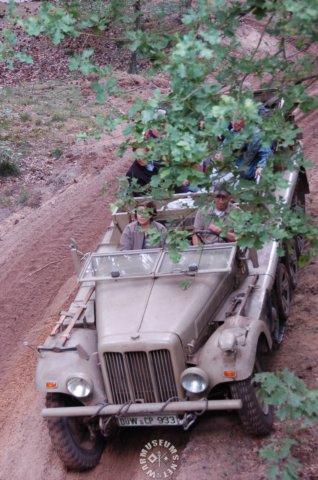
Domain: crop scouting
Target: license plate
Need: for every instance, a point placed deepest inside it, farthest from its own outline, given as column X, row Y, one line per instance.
column 148, row 420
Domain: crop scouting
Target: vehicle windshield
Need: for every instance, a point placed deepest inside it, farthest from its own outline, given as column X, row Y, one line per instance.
column 115, row 265
column 144, row 263
column 208, row 259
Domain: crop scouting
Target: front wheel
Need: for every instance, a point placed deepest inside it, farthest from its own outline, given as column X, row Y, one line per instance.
column 75, row 439
column 256, row 416
column 282, row 291
column 291, row 262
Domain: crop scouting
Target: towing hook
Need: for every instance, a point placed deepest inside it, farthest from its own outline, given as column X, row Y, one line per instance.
column 188, row 421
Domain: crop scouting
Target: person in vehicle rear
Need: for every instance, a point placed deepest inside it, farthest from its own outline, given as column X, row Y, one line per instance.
column 142, row 172
column 136, row 235
column 251, row 159
column 208, row 218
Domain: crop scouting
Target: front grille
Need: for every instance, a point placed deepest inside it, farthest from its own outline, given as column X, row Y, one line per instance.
column 140, row 376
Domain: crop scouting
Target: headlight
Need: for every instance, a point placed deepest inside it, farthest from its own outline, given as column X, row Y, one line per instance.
column 194, row 380
column 79, row 387
column 227, row 341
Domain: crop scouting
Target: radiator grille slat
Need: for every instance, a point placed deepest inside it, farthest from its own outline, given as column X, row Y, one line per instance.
column 164, row 374
column 140, row 376
column 117, row 377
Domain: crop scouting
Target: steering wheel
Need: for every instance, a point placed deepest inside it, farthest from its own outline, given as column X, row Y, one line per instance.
column 199, row 233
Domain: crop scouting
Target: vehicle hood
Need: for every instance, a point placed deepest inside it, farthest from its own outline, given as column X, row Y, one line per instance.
column 159, row 305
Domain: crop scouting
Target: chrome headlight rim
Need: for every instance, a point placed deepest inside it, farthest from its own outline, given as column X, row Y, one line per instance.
column 79, row 385
column 194, row 380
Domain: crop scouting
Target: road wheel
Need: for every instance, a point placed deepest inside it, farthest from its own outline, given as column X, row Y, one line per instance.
column 291, row 262
column 299, row 203
column 300, row 244
column 255, row 415
column 282, row 291
column 78, row 445
column 278, row 328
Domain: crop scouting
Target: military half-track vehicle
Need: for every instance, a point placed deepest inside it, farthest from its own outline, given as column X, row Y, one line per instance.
column 148, row 342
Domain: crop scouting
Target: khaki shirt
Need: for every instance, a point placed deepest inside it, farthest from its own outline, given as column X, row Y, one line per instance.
column 133, row 237
column 205, row 216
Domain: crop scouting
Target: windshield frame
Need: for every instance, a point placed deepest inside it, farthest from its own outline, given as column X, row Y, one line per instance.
column 159, row 262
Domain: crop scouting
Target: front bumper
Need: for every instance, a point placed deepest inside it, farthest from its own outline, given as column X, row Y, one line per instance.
column 144, row 408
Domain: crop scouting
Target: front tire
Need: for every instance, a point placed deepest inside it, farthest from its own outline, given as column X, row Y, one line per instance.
column 282, row 292
column 76, row 445
column 256, row 416
column 291, row 262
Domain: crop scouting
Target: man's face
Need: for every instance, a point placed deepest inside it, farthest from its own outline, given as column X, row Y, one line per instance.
column 143, row 216
column 221, row 201
column 141, row 152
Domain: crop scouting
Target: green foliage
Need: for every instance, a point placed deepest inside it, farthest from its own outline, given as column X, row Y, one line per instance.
column 177, row 241
column 53, row 20
column 289, row 395
column 281, row 463
column 24, row 198
column 294, row 402
column 57, row 153
column 185, row 284
column 25, row 117
column 8, row 161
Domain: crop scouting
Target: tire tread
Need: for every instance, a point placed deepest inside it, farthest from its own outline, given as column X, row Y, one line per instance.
column 72, row 455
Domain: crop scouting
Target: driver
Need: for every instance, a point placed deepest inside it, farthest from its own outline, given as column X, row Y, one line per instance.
column 208, row 218
column 136, row 235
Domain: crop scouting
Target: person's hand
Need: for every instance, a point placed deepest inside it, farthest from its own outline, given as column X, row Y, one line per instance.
column 258, row 172
column 218, row 156
column 195, row 240
column 213, row 228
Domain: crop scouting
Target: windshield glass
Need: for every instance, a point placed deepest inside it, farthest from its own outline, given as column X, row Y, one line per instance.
column 215, row 259
column 102, row 266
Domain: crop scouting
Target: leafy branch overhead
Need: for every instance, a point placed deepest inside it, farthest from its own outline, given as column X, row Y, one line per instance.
column 213, row 70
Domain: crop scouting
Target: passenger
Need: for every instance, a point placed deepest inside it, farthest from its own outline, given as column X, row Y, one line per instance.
column 251, row 159
column 142, row 172
column 136, row 235
column 186, row 188
column 206, row 219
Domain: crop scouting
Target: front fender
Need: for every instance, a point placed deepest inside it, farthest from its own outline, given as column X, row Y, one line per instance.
column 215, row 362
column 56, row 367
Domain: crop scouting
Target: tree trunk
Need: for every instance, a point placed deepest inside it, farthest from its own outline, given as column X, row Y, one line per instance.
column 133, row 66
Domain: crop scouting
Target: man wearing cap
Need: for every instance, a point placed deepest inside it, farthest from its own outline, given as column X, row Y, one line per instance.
column 207, row 219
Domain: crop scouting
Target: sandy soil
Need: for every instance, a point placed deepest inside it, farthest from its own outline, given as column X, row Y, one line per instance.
column 36, row 279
